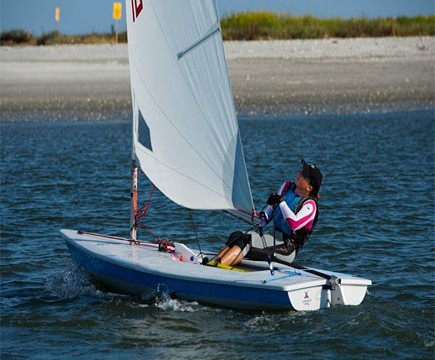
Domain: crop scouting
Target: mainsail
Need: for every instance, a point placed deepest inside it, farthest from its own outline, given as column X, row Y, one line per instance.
column 185, row 131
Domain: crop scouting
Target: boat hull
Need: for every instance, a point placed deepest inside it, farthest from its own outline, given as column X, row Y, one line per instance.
column 142, row 270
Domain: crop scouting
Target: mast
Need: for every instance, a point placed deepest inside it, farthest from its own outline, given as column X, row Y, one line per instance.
column 133, row 194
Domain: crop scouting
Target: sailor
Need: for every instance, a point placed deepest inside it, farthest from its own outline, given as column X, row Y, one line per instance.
column 294, row 212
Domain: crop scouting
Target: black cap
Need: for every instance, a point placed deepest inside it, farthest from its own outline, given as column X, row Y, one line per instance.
column 313, row 174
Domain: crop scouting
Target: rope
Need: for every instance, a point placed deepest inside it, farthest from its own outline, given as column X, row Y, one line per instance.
column 164, row 244
column 141, row 213
column 269, row 257
column 196, row 234
column 144, row 209
column 143, row 226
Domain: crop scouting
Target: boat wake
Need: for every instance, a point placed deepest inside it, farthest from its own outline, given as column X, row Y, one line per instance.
column 74, row 282
column 71, row 283
column 166, row 303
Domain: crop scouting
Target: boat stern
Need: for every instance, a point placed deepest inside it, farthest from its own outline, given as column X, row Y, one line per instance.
column 336, row 291
column 348, row 291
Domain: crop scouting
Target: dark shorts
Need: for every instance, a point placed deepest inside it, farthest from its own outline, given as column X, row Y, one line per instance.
column 240, row 239
column 284, row 253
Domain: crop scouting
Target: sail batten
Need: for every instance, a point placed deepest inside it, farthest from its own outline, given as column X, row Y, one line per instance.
column 191, row 149
column 210, row 33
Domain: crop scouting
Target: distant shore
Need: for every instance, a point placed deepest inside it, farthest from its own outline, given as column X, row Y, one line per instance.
column 91, row 82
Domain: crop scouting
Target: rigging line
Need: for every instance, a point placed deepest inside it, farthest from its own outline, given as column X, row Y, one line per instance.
column 143, row 226
column 195, row 99
column 196, row 234
column 144, row 209
column 269, row 258
column 240, row 217
column 274, row 239
column 313, row 271
column 272, row 272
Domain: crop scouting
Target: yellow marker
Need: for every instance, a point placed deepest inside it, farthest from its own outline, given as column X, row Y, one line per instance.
column 117, row 10
column 117, row 13
column 57, row 14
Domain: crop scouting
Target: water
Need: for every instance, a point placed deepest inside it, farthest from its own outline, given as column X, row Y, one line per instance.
column 376, row 220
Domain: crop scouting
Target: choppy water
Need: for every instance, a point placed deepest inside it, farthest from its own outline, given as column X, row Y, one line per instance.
column 376, row 220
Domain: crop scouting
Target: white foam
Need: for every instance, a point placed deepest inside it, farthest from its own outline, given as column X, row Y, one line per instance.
column 71, row 282
column 166, row 303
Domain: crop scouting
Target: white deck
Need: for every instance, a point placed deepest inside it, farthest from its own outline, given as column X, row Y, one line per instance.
column 146, row 258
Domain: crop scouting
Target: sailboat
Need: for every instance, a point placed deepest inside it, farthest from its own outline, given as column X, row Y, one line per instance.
column 186, row 139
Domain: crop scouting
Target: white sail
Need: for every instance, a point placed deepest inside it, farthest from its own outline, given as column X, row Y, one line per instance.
column 185, row 132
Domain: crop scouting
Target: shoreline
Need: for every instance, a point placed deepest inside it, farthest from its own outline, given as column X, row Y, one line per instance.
column 285, row 77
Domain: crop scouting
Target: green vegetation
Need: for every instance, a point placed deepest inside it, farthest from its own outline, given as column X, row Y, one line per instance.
column 267, row 26
column 261, row 26
column 21, row 37
column 58, row 38
column 17, row 37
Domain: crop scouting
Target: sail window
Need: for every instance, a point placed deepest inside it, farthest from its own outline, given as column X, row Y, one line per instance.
column 144, row 133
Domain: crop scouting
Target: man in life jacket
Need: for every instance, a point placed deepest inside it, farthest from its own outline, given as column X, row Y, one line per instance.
column 294, row 212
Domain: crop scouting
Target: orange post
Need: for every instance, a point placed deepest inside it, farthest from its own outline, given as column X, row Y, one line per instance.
column 133, row 211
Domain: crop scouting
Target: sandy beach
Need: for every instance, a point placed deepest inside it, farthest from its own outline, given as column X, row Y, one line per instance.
column 91, row 82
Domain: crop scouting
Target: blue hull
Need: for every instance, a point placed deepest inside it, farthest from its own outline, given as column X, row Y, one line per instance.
column 138, row 283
